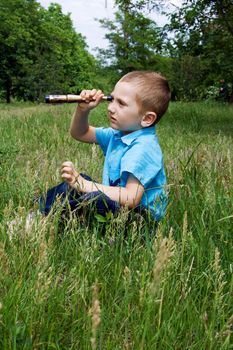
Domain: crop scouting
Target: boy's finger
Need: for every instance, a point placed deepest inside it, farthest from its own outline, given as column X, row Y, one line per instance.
column 68, row 177
column 67, row 170
column 67, row 163
column 99, row 97
column 93, row 92
column 85, row 94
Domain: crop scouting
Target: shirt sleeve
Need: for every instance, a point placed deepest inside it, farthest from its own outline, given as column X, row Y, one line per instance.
column 142, row 164
column 103, row 137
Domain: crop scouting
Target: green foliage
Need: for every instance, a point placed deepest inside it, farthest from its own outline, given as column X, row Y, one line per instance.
column 118, row 284
column 63, row 64
column 15, row 31
column 203, row 30
column 41, row 52
column 187, row 77
column 134, row 40
column 212, row 92
column 197, row 54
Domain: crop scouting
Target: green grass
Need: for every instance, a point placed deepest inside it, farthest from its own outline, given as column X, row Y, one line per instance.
column 75, row 290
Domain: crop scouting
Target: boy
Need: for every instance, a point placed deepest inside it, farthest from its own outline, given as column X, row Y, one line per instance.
column 133, row 174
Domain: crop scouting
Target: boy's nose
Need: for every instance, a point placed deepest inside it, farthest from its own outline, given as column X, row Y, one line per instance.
column 111, row 108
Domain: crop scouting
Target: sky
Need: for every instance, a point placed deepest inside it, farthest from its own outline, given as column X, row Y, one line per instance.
column 84, row 12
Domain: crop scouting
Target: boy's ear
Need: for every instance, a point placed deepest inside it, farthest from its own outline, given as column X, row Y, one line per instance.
column 148, row 119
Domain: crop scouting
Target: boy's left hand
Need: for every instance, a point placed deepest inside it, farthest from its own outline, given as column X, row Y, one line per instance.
column 68, row 173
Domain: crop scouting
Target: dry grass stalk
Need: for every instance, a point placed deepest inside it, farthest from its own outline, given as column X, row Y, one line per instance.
column 217, row 261
column 218, row 270
column 165, row 252
column 0, row 311
column 226, row 331
column 185, row 224
column 42, row 285
column 95, row 313
column 4, row 261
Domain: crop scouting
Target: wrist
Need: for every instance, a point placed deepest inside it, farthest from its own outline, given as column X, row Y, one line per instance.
column 82, row 108
column 78, row 183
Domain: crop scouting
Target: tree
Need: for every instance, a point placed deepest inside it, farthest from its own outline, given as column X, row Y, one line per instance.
column 40, row 52
column 134, row 40
column 61, row 63
column 16, row 40
column 203, row 29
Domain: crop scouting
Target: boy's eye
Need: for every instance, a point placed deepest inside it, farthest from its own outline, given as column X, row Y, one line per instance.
column 121, row 103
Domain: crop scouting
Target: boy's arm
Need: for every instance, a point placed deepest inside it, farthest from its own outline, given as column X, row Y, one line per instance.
column 129, row 196
column 79, row 127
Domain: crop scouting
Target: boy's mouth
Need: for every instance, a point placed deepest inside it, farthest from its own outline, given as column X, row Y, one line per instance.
column 112, row 119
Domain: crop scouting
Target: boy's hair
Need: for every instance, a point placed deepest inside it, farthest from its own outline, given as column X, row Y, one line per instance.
column 153, row 91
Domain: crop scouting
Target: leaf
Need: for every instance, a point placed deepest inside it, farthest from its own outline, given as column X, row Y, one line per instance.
column 100, row 218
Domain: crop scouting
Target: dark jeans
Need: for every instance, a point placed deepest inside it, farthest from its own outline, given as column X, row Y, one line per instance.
column 72, row 200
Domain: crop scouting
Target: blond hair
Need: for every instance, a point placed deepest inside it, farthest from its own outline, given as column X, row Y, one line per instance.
column 153, row 92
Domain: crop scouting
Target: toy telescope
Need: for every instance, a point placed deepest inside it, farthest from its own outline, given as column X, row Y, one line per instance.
column 69, row 98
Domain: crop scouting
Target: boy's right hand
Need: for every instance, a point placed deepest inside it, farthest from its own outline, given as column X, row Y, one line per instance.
column 91, row 97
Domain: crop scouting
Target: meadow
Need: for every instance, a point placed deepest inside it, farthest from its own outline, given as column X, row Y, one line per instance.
column 116, row 283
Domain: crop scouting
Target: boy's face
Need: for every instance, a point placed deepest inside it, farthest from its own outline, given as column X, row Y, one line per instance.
column 124, row 112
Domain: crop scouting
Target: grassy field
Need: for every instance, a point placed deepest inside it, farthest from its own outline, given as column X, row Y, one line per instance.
column 93, row 287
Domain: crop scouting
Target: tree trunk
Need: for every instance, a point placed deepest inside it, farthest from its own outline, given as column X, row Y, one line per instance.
column 231, row 94
column 8, row 90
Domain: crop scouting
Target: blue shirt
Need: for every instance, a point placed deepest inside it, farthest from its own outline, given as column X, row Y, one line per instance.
column 137, row 153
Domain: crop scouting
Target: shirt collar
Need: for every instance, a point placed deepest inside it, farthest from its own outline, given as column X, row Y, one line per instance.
column 129, row 138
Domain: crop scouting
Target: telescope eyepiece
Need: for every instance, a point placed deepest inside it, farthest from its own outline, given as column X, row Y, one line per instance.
column 47, row 99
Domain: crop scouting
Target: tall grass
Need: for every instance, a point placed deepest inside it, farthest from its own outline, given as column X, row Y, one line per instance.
column 117, row 284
